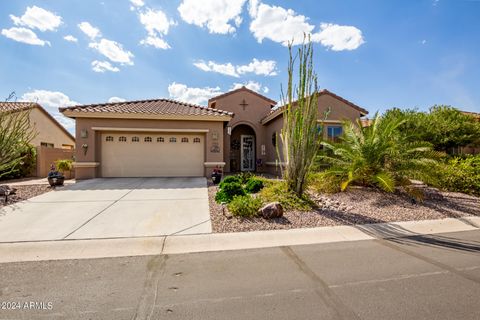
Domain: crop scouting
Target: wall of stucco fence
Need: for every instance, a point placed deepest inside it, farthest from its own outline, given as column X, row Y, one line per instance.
column 47, row 156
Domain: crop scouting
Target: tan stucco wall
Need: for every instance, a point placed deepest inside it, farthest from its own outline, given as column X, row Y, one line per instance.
column 93, row 139
column 339, row 111
column 256, row 110
column 48, row 131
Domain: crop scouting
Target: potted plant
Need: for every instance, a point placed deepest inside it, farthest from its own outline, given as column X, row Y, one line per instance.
column 55, row 178
column 65, row 166
column 216, row 175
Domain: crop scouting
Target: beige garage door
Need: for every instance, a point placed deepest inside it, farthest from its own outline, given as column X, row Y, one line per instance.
column 152, row 155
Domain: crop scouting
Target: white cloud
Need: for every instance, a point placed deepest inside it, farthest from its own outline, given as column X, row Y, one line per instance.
column 137, row 3
column 51, row 101
column 338, row 37
column 193, row 95
column 210, row 66
column 285, row 25
column 116, row 99
column 41, row 19
column 113, row 51
column 70, row 38
column 89, row 30
column 216, row 15
column 102, row 66
column 157, row 25
column 24, row 35
column 263, row 67
column 156, row 42
column 252, row 85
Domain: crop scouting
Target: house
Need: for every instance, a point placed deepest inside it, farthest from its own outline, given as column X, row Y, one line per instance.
column 237, row 131
column 52, row 140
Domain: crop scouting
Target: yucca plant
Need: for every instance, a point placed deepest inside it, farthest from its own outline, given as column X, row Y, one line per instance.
column 378, row 156
column 301, row 135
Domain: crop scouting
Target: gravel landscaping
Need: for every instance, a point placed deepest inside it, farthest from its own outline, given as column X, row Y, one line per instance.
column 356, row 206
column 25, row 192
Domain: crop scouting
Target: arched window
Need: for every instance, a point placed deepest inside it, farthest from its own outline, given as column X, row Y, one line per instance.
column 160, row 139
column 196, row 140
column 109, row 138
column 135, row 139
column 147, row 139
column 173, row 139
column 184, row 139
column 122, row 139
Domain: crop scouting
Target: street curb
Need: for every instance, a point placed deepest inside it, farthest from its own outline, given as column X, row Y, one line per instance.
column 121, row 247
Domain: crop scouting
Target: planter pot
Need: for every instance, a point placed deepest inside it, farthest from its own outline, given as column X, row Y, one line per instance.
column 216, row 178
column 56, row 181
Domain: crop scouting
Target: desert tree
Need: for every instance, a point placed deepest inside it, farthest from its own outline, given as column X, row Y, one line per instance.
column 301, row 133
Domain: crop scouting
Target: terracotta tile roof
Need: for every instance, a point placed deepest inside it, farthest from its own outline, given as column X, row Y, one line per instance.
column 154, row 107
column 473, row 114
column 272, row 102
column 278, row 111
column 17, row 106
column 22, row 106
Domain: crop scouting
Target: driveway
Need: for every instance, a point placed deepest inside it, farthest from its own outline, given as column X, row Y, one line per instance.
column 110, row 208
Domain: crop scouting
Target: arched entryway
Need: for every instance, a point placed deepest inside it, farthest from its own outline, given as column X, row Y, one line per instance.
column 242, row 148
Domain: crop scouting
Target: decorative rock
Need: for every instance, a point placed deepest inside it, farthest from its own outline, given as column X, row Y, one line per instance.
column 272, row 210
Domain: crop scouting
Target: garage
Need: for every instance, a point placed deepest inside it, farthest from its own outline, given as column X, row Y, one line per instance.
column 162, row 154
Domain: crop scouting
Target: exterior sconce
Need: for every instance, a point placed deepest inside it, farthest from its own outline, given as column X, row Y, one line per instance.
column 85, row 148
column 229, row 130
column 84, row 133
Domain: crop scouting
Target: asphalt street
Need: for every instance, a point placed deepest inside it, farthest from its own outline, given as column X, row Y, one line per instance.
column 422, row 277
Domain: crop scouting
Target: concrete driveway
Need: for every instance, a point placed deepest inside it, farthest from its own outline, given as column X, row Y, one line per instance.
column 111, row 208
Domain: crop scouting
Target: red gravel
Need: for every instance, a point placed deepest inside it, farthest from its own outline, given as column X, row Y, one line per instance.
column 25, row 192
column 356, row 206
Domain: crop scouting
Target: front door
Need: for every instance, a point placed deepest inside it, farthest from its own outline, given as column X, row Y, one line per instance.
column 247, row 152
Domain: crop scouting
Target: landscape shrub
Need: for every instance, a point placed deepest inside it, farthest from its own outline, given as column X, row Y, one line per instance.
column 230, row 179
column 460, row 175
column 228, row 191
column 321, row 182
column 244, row 206
column 25, row 167
column 277, row 191
column 254, row 185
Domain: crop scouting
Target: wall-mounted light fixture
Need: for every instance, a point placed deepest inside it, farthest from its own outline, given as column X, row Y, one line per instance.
column 85, row 148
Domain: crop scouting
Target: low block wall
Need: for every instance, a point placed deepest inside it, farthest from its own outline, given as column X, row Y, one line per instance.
column 47, row 156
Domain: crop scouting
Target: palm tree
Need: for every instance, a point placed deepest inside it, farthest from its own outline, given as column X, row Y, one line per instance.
column 378, row 156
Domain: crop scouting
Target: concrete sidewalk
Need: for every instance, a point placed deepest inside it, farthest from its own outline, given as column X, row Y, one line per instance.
column 177, row 244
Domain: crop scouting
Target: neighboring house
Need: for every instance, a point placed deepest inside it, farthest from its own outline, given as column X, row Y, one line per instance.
column 155, row 138
column 50, row 134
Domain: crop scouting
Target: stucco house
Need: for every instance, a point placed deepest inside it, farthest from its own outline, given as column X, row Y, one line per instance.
column 53, row 141
column 161, row 137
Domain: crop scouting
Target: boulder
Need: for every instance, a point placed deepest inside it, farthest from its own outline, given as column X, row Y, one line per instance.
column 271, row 210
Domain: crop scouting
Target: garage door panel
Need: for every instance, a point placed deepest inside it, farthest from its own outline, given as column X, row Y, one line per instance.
column 170, row 158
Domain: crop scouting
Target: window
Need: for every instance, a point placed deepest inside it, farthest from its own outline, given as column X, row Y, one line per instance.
column 274, row 139
column 109, row 139
column 67, row 146
column 160, row 139
column 334, row 132
column 196, row 140
column 122, row 139
column 173, row 139
column 184, row 139
column 147, row 139
column 135, row 139
column 46, row 144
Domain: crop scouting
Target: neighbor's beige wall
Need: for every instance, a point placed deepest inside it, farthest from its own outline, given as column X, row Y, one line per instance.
column 256, row 110
column 93, row 140
column 48, row 131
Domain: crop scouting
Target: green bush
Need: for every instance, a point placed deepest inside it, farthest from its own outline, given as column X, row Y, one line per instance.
column 460, row 175
column 254, row 185
column 27, row 165
column 324, row 183
column 230, row 179
column 244, row 206
column 277, row 191
column 64, row 165
column 228, row 191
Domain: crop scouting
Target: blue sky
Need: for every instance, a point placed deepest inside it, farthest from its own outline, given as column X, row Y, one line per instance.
column 378, row 54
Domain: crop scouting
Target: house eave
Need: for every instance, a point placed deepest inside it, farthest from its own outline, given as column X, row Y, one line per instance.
column 112, row 115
